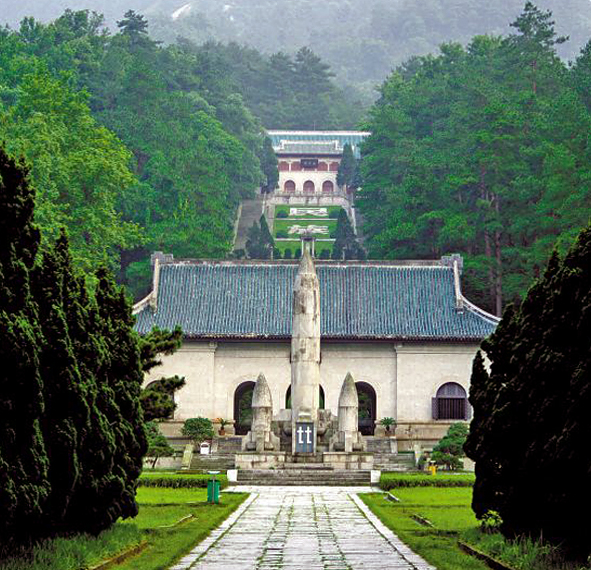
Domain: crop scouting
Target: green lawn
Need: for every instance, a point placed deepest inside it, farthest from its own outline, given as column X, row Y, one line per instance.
column 445, row 517
column 286, row 209
column 448, row 509
column 160, row 509
column 163, row 507
column 293, row 245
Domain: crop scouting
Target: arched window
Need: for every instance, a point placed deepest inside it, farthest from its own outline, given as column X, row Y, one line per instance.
column 334, row 166
column 243, row 407
column 327, row 187
column 451, row 403
column 309, row 187
column 367, row 407
column 289, row 186
column 288, row 399
column 322, row 166
column 283, row 166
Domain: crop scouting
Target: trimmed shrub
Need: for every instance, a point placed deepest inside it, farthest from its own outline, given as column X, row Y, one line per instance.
column 282, row 214
column 287, row 253
column 281, row 234
column 179, row 480
column 395, row 480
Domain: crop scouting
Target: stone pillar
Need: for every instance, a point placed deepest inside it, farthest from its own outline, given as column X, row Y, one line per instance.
column 260, row 438
column 348, row 438
column 305, row 352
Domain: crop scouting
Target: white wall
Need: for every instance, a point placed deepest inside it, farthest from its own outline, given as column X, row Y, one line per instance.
column 405, row 376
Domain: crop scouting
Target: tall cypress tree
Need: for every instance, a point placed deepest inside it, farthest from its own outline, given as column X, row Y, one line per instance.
column 531, row 421
column 122, row 375
column 347, row 167
column 24, row 484
column 346, row 245
column 66, row 417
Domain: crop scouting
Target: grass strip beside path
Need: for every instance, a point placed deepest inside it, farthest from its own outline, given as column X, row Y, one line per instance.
column 446, row 508
column 159, row 507
column 163, row 507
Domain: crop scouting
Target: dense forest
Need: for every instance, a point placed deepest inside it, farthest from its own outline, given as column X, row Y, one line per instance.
column 483, row 150
column 136, row 147
column 362, row 40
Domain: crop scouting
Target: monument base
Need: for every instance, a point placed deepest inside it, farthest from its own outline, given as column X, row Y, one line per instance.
column 266, row 460
column 348, row 461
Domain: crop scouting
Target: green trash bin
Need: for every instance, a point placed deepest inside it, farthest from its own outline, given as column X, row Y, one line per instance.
column 213, row 489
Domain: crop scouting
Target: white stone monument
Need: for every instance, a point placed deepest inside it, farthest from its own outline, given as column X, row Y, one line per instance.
column 260, row 438
column 348, row 438
column 305, row 354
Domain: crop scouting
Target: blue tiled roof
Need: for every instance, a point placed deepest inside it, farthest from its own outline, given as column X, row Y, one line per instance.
column 359, row 300
column 354, row 138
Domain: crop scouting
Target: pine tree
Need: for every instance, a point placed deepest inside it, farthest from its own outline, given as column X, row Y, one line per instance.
column 24, row 483
column 347, row 167
column 269, row 165
column 345, row 245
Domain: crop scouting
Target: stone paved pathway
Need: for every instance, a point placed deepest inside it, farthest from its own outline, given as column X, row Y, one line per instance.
column 303, row 528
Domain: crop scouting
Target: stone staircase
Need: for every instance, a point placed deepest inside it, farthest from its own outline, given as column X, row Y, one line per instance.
column 251, row 212
column 302, row 474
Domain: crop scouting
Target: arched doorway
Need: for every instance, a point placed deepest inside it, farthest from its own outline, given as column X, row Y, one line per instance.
column 450, row 403
column 243, row 407
column 367, row 407
column 288, row 399
column 327, row 187
column 289, row 186
column 309, row 187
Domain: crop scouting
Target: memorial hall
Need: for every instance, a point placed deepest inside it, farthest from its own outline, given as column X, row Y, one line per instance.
column 402, row 330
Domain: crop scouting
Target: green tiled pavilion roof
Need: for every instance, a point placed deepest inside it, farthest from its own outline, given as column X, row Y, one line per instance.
column 359, row 300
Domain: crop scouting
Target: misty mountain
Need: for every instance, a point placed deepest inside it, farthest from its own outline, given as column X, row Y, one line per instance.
column 362, row 40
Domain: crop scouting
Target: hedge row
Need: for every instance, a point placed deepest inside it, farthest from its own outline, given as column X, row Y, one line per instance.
column 393, row 480
column 179, row 481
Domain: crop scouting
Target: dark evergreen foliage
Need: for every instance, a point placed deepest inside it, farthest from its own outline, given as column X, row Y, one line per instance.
column 483, row 150
column 71, row 428
column 347, row 167
column 66, row 418
column 121, row 376
column 24, row 482
column 157, row 399
column 269, row 165
column 346, row 245
column 531, row 413
column 260, row 243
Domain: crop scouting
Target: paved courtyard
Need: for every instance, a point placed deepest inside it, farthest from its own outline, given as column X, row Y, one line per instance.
column 304, row 528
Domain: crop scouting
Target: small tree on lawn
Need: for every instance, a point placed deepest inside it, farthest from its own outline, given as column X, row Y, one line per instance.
column 158, row 445
column 198, row 430
column 450, row 449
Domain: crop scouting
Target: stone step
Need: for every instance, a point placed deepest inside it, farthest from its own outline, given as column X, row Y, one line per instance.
column 250, row 213
column 315, row 466
column 378, row 444
column 303, row 477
